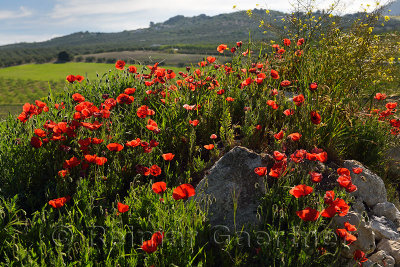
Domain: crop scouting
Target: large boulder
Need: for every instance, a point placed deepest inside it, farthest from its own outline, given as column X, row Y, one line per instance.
column 370, row 187
column 382, row 258
column 388, row 210
column 384, row 228
column 392, row 248
column 232, row 184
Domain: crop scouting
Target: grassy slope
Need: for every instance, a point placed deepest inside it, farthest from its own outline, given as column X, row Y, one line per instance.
column 26, row 83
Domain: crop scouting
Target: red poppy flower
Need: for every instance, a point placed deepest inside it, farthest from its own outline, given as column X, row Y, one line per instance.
column 286, row 42
column 279, row 156
column 288, row 112
column 316, row 177
column 285, row 83
column 152, row 125
column 79, row 78
column 329, row 197
column 349, row 227
column 213, row 136
column 122, row 207
column 308, row 214
column 380, row 96
column 281, row 51
column 344, row 181
column 78, row 97
column 183, row 191
column 221, row 48
column 322, row 157
column 130, row 91
column 168, row 156
column 144, row 111
column 301, row 190
column 71, row 163
column 209, row 147
column 159, row 187
column 313, row 86
column 351, row 188
column 274, row 74
column 315, row 117
column 194, row 122
column 261, row 171
column 338, row 206
column 274, row 92
column 59, row 202
column 294, row 136
column 279, row 136
column 298, row 100
column 230, row 99
column 142, row 170
column 36, row 142
column 120, row 64
column 125, row 99
column 100, row 161
column 157, row 238
column 149, row 246
column 155, row 170
column 391, row 105
column 343, row 171
column 359, row 256
column 71, row 78
column 97, row 141
column 300, row 41
column 62, row 173
column 211, row 59
column 115, row 147
column 272, row 104
column 132, row 69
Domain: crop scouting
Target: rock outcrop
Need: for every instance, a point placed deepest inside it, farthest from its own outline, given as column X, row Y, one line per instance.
column 234, row 189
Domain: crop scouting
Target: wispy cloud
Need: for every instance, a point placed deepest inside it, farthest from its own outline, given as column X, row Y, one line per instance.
column 17, row 38
column 13, row 14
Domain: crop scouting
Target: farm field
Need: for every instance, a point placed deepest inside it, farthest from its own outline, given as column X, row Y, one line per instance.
column 26, row 83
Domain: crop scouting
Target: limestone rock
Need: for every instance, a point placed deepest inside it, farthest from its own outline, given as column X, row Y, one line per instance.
column 384, row 228
column 382, row 258
column 370, row 187
column 366, row 238
column 232, row 180
column 391, row 247
column 388, row 210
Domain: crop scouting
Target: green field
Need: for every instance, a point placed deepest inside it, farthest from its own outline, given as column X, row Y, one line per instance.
column 26, row 83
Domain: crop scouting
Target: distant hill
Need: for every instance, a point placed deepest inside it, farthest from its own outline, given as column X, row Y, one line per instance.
column 394, row 7
column 197, row 35
column 188, row 34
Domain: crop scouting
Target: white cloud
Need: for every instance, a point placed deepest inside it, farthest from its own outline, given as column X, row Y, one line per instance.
column 18, row 38
column 9, row 14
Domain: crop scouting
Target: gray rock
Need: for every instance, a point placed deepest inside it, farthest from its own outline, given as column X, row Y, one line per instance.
column 382, row 258
column 232, row 180
column 370, row 187
column 388, row 210
column 384, row 228
column 366, row 237
column 392, row 248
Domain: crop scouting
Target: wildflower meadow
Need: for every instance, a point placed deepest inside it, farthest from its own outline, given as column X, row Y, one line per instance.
column 105, row 172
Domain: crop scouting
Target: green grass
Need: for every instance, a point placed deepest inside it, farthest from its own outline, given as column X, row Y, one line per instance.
column 26, row 83
column 51, row 71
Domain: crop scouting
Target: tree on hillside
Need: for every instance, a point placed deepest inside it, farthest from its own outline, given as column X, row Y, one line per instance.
column 63, row 57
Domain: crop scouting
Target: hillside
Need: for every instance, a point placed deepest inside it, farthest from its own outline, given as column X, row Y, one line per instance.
column 193, row 35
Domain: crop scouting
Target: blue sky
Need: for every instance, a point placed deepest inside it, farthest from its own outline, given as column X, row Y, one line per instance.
column 39, row 20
